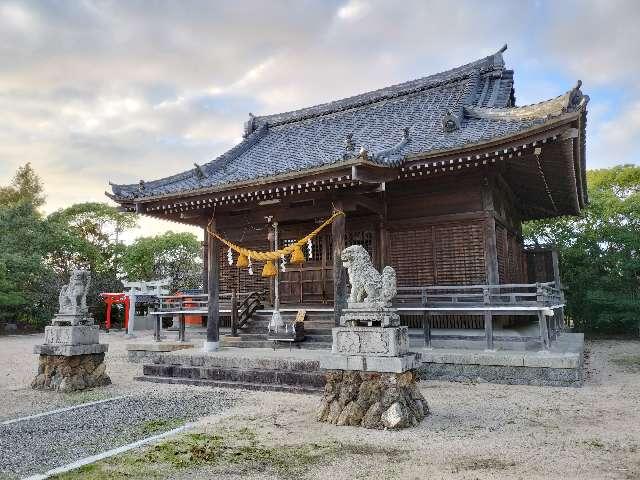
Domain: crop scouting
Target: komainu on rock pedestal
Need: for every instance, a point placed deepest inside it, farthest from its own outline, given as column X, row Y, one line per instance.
column 71, row 357
column 371, row 378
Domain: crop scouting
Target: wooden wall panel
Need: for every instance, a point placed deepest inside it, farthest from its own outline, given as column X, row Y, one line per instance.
column 459, row 254
column 445, row 254
column 540, row 266
column 502, row 249
column 411, row 254
column 510, row 256
column 434, row 197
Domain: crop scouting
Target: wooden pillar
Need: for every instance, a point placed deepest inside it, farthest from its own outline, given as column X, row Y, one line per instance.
column 234, row 313
column 205, row 262
column 339, row 272
column 181, row 331
column 488, row 329
column 426, row 326
column 544, row 332
column 559, row 316
column 213, row 281
column 490, row 240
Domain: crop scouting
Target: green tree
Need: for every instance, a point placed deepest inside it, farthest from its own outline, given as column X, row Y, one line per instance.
column 174, row 255
column 37, row 253
column 88, row 236
column 28, row 286
column 600, row 252
column 26, row 186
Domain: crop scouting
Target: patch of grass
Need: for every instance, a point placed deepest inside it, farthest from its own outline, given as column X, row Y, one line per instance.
column 629, row 363
column 159, row 425
column 238, row 451
column 241, row 451
column 594, row 443
column 84, row 396
column 481, row 463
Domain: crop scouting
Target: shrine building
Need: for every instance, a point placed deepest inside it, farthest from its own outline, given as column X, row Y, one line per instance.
column 435, row 177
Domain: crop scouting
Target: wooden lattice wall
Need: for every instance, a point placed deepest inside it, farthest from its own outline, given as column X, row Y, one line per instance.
column 445, row 254
column 510, row 256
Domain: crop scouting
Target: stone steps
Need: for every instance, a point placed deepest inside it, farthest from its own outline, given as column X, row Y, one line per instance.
column 317, row 326
column 252, row 372
column 226, row 342
column 231, row 384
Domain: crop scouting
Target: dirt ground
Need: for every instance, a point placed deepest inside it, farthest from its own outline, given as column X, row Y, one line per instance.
column 475, row 431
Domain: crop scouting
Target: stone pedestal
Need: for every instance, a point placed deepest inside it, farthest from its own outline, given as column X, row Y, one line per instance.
column 71, row 357
column 370, row 314
column 371, row 378
column 372, row 399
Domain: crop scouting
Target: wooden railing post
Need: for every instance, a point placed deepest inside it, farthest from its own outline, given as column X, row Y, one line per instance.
column 156, row 327
column 181, row 332
column 426, row 321
column 339, row 272
column 426, row 325
column 234, row 313
column 488, row 318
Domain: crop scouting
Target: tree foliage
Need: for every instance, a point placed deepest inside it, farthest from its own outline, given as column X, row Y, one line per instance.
column 88, row 236
column 37, row 253
column 171, row 255
column 26, row 281
column 26, row 186
column 600, row 252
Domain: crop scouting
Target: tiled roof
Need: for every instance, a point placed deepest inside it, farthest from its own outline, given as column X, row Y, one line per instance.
column 468, row 104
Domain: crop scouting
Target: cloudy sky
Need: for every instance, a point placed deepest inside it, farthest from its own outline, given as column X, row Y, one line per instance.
column 92, row 91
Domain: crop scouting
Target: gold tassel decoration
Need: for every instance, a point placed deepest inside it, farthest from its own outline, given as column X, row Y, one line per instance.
column 297, row 256
column 242, row 262
column 269, row 269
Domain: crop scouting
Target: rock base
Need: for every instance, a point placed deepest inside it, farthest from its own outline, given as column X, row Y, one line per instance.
column 69, row 373
column 372, row 400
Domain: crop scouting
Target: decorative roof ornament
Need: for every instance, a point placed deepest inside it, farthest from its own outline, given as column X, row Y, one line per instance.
column 349, row 146
column 385, row 155
column 199, row 172
column 450, row 123
column 249, row 125
column 576, row 98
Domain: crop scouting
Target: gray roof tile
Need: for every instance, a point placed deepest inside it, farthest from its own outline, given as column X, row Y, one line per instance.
column 479, row 95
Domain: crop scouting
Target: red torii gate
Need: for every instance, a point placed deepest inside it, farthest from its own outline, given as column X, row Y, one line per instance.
column 117, row 298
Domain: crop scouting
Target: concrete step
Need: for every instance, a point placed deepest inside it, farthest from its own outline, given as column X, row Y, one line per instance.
column 306, row 345
column 231, row 384
column 249, row 375
column 270, row 375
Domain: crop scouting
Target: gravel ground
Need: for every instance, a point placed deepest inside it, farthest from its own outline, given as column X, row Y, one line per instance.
column 475, row 431
column 43, row 443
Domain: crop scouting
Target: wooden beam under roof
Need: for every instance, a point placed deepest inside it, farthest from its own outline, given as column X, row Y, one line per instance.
column 373, row 173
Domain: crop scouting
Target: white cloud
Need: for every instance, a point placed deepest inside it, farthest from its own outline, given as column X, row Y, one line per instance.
column 93, row 91
column 352, row 10
column 617, row 140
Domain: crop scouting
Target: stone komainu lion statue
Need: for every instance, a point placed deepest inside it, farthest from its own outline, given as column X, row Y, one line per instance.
column 367, row 285
column 73, row 296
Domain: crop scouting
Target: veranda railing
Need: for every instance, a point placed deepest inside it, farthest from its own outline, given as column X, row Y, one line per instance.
column 543, row 300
